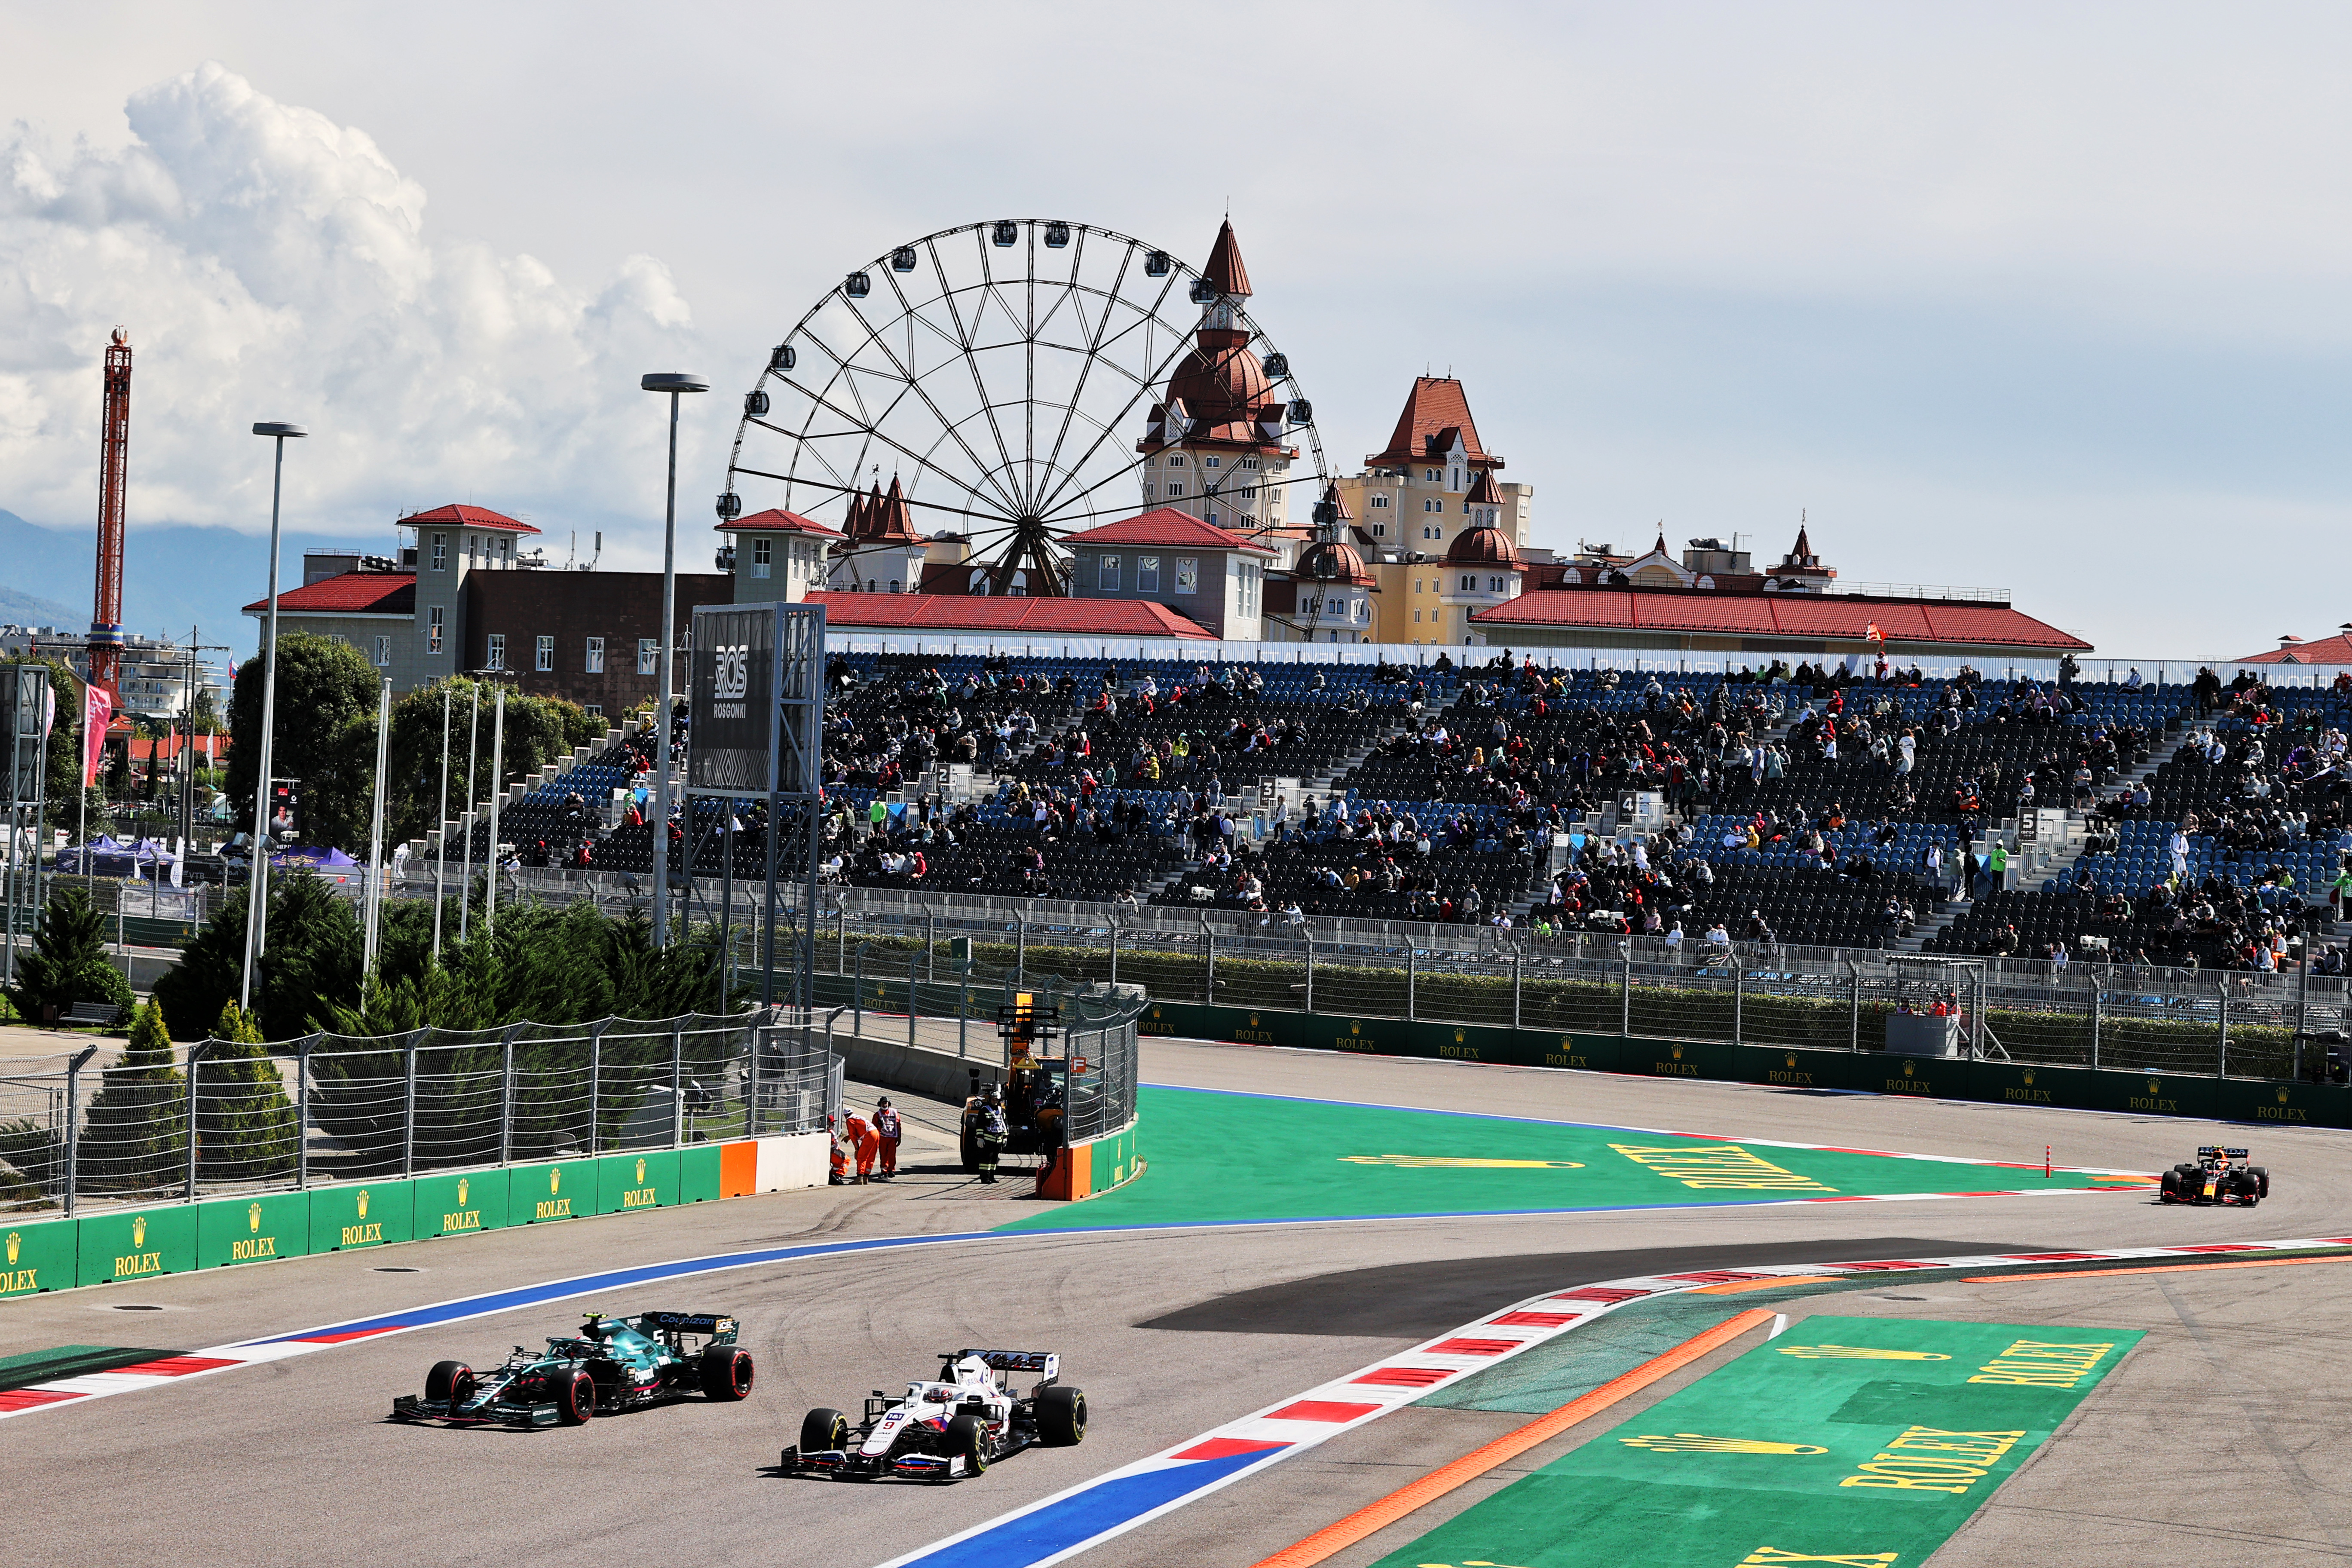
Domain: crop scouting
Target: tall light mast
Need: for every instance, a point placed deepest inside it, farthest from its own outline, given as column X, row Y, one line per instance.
column 114, row 466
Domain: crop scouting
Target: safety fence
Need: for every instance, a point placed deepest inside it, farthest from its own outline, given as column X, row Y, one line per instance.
column 229, row 1118
column 1096, row 1025
column 2238, row 1026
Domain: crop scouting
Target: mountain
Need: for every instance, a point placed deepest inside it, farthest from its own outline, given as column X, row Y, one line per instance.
column 175, row 575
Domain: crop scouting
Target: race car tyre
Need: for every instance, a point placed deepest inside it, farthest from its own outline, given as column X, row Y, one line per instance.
column 2261, row 1181
column 822, row 1431
column 575, row 1397
column 967, row 1436
column 726, row 1372
column 1061, row 1417
column 2170, row 1188
column 452, row 1380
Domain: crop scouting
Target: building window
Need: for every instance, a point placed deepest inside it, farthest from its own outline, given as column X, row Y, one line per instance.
column 649, row 655
column 594, row 663
column 1433, row 473
column 338, row 639
column 1211, row 462
column 593, row 709
column 1187, row 574
column 1379, row 503
column 495, row 656
column 1416, row 617
column 384, row 653
column 764, row 555
column 440, row 553
column 1147, row 490
column 1249, row 462
column 1469, row 583
column 1175, row 489
column 1106, row 578
column 1379, row 531
column 1433, row 504
column 1175, row 459
column 433, row 629
column 1494, row 584
column 1147, row 573
column 543, row 655
column 1363, row 610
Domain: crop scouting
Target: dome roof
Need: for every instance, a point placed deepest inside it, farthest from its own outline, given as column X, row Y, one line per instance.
column 1332, row 561
column 1219, row 380
column 1484, row 546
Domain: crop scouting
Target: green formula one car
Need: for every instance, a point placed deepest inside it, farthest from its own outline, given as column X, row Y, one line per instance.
column 612, row 1365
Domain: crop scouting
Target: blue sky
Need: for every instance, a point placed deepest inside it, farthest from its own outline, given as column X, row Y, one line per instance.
column 2001, row 296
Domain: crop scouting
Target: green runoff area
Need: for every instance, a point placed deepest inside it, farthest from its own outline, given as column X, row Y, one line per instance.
column 1223, row 1158
column 1858, row 1441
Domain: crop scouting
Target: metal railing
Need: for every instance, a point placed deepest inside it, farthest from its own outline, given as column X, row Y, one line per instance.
column 228, row 1118
column 2243, row 1024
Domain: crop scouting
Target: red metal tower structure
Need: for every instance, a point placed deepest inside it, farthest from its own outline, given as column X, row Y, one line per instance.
column 114, row 464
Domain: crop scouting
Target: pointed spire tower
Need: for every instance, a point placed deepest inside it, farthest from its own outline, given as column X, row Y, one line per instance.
column 879, row 551
column 1214, row 446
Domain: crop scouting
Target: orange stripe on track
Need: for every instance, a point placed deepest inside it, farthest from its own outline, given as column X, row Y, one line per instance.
column 1375, row 1517
column 2157, row 1268
column 1772, row 1282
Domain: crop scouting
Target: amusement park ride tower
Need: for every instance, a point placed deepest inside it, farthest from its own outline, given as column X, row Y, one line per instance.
column 113, row 465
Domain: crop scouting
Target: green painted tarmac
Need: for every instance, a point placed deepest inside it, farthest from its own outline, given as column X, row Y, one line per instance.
column 1857, row 1441
column 1218, row 1158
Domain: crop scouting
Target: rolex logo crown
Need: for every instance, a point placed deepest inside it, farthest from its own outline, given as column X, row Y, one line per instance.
column 1694, row 1443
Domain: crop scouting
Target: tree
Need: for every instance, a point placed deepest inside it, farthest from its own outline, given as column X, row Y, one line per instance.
column 539, row 730
column 135, row 1131
column 245, row 1123
column 69, row 964
column 325, row 735
column 309, row 964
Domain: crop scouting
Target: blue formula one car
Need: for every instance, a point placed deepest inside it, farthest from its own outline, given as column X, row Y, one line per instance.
column 611, row 1365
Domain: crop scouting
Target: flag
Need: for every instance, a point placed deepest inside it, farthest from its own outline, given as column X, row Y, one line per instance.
column 97, row 713
column 1874, row 635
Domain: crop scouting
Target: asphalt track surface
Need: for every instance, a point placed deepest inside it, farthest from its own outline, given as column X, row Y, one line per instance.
column 2218, row 1441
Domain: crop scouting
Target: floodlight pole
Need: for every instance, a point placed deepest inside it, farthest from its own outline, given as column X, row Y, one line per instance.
column 375, row 831
column 257, row 881
column 674, row 383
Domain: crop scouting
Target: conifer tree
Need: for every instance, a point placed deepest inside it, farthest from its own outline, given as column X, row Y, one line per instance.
column 69, row 964
column 245, row 1123
column 136, row 1132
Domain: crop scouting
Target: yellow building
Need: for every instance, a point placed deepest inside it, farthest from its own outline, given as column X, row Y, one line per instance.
column 1413, row 501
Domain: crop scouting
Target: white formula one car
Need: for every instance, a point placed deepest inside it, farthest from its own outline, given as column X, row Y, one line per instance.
column 944, row 1430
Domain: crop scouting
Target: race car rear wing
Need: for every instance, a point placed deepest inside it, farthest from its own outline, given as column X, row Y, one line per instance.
column 1045, row 1361
column 2215, row 1151
column 688, row 1322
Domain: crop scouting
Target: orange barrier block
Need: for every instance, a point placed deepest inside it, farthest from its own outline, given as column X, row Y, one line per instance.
column 739, row 1167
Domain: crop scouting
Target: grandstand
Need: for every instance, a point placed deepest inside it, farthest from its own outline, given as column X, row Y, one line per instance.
column 1795, row 806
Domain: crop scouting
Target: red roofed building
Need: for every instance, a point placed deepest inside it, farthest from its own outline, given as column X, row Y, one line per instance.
column 1215, row 444
column 1206, row 574
column 1711, row 601
column 2337, row 650
column 952, row 614
column 775, row 556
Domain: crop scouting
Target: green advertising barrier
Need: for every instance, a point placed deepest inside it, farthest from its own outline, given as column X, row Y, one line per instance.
column 1783, row 1068
column 1581, row 1052
column 374, row 1216
column 1258, row 1026
column 456, row 1206
column 1111, row 1160
column 2287, row 1104
column 563, row 1190
column 134, row 1243
column 37, row 1257
column 1708, row 1059
column 698, row 1174
column 627, row 1182
column 253, row 1230
column 2014, row 1083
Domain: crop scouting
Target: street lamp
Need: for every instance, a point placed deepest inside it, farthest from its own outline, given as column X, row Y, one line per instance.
column 673, row 383
column 256, row 892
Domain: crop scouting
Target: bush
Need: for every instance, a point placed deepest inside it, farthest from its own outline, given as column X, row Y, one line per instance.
column 68, row 964
column 245, row 1123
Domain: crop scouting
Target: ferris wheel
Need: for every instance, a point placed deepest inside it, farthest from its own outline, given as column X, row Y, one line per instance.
column 1002, row 373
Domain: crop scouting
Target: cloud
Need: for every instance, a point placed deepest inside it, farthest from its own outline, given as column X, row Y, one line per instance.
column 271, row 264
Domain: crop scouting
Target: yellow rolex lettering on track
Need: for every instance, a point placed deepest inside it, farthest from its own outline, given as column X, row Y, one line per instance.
column 1719, row 1167
column 2031, row 1363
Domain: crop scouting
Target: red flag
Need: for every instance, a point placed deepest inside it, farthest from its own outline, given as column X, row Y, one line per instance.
column 1873, row 634
column 97, row 713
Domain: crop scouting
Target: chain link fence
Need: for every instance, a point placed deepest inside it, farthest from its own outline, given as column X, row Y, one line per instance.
column 232, row 1119
column 2135, row 1018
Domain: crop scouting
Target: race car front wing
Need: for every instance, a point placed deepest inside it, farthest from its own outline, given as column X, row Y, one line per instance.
column 845, row 1462
column 408, row 1407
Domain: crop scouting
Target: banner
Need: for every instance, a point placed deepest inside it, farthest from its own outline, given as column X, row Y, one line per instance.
column 731, row 695
column 97, row 713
